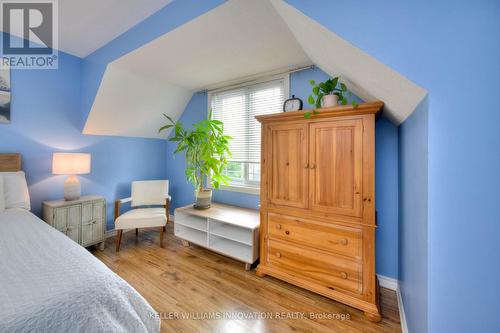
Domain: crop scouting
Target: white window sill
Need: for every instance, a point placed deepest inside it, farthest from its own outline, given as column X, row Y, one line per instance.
column 241, row 189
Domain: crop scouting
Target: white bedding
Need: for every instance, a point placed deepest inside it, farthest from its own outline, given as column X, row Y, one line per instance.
column 48, row 283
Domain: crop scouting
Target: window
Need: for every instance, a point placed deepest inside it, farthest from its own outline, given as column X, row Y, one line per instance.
column 237, row 109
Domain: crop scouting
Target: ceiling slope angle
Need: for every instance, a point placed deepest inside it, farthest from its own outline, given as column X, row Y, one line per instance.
column 128, row 104
column 366, row 76
column 85, row 26
column 237, row 39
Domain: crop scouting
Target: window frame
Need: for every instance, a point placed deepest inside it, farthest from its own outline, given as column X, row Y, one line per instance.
column 247, row 187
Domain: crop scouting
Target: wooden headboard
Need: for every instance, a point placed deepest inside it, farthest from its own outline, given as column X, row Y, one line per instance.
column 10, row 162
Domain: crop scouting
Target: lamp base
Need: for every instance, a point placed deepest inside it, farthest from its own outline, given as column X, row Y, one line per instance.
column 72, row 189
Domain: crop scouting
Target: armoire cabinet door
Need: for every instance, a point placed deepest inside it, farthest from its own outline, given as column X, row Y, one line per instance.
column 287, row 156
column 336, row 167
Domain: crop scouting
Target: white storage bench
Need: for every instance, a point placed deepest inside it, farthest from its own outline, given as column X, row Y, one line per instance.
column 228, row 230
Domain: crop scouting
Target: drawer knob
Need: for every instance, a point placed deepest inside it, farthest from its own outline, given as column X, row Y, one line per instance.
column 278, row 226
column 343, row 275
column 343, row 241
column 278, row 254
column 287, row 232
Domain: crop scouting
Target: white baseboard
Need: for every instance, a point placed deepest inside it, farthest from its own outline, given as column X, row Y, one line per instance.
column 393, row 284
column 112, row 232
column 402, row 315
column 387, row 282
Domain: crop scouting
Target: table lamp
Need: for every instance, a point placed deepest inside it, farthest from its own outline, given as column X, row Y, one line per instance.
column 71, row 164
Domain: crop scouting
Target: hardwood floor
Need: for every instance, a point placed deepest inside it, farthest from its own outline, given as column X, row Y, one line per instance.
column 183, row 281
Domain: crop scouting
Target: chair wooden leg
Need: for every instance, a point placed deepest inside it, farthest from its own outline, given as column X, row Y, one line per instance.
column 136, row 231
column 161, row 236
column 118, row 239
column 167, row 210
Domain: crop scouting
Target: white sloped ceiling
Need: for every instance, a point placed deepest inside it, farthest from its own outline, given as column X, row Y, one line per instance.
column 237, row 39
column 129, row 104
column 366, row 76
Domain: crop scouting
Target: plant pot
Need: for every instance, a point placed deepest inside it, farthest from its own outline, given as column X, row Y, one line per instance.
column 203, row 199
column 329, row 101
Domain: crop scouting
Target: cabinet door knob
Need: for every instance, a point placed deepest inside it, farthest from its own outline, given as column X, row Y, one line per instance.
column 287, row 232
column 278, row 226
column 68, row 229
column 343, row 241
column 278, row 254
column 343, row 275
column 306, row 166
column 313, row 166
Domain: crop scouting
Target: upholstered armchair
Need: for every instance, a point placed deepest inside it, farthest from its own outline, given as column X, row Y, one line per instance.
column 144, row 194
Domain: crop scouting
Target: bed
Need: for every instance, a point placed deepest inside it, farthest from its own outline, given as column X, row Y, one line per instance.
column 48, row 283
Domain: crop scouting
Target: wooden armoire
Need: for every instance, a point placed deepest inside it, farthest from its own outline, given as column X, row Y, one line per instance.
column 318, row 202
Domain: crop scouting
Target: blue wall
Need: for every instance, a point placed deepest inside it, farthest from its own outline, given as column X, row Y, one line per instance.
column 386, row 177
column 443, row 46
column 386, row 192
column 46, row 118
column 413, row 203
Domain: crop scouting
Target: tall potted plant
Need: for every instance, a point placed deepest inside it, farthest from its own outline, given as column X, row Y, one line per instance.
column 206, row 149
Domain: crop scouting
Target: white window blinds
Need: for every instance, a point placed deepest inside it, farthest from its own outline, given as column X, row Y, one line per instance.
column 237, row 109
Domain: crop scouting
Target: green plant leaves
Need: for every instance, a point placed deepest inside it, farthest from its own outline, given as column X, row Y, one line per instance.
column 164, row 128
column 328, row 87
column 335, row 81
column 206, row 149
column 311, row 100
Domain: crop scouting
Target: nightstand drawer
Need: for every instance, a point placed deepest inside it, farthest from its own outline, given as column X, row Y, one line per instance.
column 67, row 220
column 82, row 220
column 92, row 222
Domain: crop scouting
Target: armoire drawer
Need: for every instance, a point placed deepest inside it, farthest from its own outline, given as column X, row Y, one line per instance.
column 331, row 271
column 333, row 238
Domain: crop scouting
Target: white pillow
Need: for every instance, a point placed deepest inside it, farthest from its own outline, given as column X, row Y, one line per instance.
column 2, row 199
column 15, row 190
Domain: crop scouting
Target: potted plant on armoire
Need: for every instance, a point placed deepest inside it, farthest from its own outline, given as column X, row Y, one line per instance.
column 206, row 149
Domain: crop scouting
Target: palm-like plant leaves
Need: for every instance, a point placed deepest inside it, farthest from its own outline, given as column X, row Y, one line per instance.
column 206, row 149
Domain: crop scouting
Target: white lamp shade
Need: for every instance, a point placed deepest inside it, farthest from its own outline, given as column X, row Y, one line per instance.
column 70, row 163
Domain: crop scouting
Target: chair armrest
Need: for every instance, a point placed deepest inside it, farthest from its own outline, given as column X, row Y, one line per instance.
column 125, row 200
column 118, row 204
